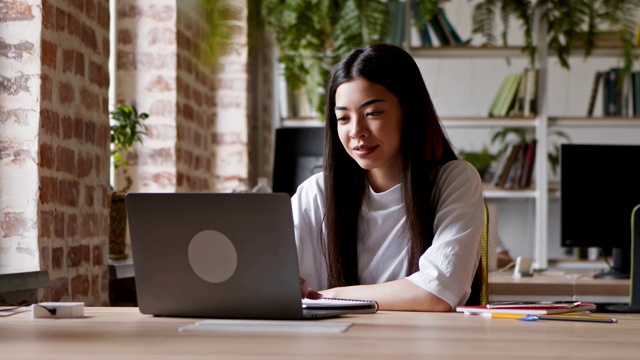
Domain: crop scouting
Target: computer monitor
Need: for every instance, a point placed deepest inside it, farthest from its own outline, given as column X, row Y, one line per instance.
column 297, row 156
column 599, row 188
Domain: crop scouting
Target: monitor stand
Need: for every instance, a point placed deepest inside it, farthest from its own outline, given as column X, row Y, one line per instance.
column 634, row 296
column 621, row 267
column 624, row 308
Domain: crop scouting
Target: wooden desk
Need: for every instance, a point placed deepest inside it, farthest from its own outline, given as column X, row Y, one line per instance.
column 558, row 286
column 124, row 333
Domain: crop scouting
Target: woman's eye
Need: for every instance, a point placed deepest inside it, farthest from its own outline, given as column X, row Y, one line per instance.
column 341, row 118
column 374, row 113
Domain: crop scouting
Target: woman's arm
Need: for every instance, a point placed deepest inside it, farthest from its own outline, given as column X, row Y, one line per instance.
column 393, row 295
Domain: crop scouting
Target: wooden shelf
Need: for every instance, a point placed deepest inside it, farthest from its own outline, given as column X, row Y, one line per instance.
column 488, row 122
column 301, row 122
column 597, row 51
column 494, row 193
column 461, row 52
column 594, row 122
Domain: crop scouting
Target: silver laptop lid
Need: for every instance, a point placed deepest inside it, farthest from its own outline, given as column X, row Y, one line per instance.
column 214, row 255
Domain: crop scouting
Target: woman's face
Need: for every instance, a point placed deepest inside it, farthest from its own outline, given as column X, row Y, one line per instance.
column 370, row 129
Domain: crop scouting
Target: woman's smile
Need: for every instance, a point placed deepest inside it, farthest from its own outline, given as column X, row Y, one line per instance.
column 364, row 150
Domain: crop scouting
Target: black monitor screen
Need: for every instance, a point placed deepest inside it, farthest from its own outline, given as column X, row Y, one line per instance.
column 599, row 187
column 298, row 155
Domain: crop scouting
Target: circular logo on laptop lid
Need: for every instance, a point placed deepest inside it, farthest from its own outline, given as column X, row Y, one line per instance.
column 212, row 256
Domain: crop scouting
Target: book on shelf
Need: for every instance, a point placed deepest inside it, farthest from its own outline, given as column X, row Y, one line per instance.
column 531, row 92
column 620, row 94
column 510, row 97
column 612, row 92
column 518, row 104
column 496, row 98
column 502, row 162
column 395, row 31
column 513, row 178
column 625, row 93
column 437, row 31
column 635, row 91
column 594, row 92
column 441, row 20
column 530, row 160
column 425, row 36
column 506, row 95
column 502, row 173
column 421, row 27
column 528, row 308
column 449, row 27
column 437, row 25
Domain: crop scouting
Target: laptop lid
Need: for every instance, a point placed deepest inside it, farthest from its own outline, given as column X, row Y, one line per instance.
column 215, row 255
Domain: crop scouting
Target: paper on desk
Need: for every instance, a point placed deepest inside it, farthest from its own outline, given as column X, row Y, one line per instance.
column 268, row 326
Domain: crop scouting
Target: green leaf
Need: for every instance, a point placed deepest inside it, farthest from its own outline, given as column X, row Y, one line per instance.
column 126, row 129
column 313, row 35
column 483, row 21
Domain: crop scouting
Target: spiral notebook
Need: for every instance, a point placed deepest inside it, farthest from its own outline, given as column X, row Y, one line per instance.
column 221, row 256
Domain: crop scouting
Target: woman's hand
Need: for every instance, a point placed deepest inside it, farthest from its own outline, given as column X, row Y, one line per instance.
column 305, row 292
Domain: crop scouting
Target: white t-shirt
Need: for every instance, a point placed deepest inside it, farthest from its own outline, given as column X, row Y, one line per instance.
column 446, row 269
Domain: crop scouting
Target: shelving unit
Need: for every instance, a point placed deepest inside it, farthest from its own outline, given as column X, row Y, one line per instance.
column 542, row 124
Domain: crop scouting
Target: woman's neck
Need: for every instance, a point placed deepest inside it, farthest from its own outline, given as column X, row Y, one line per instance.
column 381, row 181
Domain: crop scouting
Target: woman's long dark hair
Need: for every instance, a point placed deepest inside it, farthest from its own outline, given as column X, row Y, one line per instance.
column 425, row 148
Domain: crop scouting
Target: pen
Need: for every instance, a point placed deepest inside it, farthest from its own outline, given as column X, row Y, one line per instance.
column 523, row 315
column 586, row 318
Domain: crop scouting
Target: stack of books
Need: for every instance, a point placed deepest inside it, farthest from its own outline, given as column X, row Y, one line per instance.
column 437, row 31
column 516, row 96
column 515, row 168
column 620, row 96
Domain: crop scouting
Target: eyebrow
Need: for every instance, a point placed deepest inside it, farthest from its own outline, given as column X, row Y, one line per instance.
column 366, row 103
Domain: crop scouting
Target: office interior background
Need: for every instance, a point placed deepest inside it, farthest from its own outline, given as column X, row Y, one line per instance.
column 65, row 64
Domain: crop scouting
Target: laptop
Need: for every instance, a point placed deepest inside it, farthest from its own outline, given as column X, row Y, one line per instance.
column 221, row 255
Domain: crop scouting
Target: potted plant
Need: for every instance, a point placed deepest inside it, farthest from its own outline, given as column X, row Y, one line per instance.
column 313, row 35
column 568, row 23
column 127, row 128
column 481, row 160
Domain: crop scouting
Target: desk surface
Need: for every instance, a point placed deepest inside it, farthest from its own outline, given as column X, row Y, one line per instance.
column 558, row 286
column 124, row 333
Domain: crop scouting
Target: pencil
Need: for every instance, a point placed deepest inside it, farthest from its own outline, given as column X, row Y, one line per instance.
column 565, row 317
column 508, row 316
column 587, row 318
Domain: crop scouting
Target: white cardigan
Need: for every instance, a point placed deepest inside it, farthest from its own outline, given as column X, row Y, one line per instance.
column 446, row 269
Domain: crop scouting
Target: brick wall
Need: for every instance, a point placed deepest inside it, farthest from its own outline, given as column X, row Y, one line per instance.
column 197, row 129
column 20, row 24
column 230, row 133
column 195, row 103
column 146, row 77
column 74, row 194
column 55, row 155
column 54, row 143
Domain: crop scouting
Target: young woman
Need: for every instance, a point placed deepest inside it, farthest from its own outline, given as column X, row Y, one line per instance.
column 394, row 216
